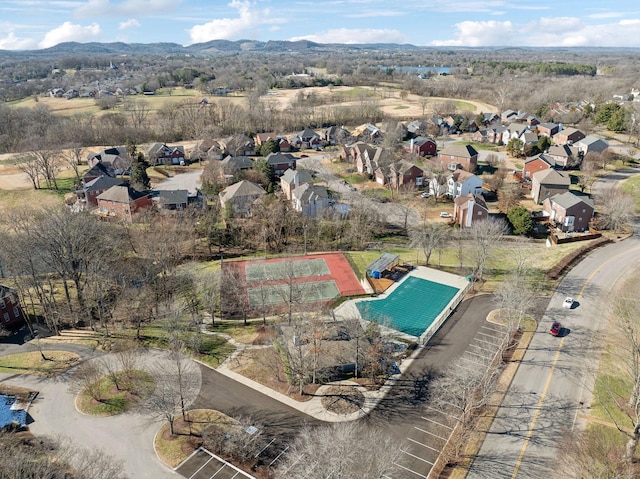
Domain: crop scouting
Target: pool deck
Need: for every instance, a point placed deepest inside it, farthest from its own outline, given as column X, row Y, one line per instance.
column 349, row 310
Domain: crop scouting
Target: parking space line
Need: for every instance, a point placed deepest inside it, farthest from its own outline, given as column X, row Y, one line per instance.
column 481, row 347
column 435, row 422
column 486, row 334
column 442, row 412
column 416, row 457
column 424, row 445
column 430, row 433
column 278, row 456
column 201, row 467
column 492, row 343
column 409, row 470
column 476, row 354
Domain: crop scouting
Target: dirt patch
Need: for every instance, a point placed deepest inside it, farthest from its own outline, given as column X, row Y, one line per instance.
column 342, row 399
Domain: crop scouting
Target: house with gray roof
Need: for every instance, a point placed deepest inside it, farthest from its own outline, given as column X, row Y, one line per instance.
column 241, row 196
column 569, row 211
column 92, row 189
column 591, row 144
column 311, row 200
column 292, row 179
column 171, row 199
column 123, row 202
column 565, row 156
column 454, row 156
column 547, row 183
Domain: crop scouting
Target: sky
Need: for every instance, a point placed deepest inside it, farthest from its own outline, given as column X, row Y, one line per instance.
column 36, row 24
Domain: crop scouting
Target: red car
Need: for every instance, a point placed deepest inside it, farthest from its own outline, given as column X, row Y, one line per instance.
column 555, row 329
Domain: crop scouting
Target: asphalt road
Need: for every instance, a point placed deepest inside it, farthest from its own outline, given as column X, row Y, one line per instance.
column 554, row 382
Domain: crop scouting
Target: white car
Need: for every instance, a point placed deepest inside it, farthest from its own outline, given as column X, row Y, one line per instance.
column 425, row 195
column 444, row 214
column 568, row 302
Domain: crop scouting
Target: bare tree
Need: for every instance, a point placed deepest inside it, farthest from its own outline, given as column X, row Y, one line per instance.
column 73, row 156
column 29, row 166
column 371, row 453
column 616, row 208
column 485, row 236
column 86, row 379
column 428, row 236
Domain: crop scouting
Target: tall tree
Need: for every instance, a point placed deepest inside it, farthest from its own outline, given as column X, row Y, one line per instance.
column 485, row 236
column 139, row 178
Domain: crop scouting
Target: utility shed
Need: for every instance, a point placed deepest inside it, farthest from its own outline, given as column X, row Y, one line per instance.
column 384, row 262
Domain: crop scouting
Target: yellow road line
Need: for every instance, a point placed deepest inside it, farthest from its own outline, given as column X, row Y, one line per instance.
column 553, row 367
column 538, row 409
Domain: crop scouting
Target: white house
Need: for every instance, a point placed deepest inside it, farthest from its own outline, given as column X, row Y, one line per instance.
column 461, row 182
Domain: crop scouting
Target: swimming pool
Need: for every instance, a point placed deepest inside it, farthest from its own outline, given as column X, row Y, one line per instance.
column 412, row 307
column 8, row 413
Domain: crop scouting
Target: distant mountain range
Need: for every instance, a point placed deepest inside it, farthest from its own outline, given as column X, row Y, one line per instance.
column 202, row 49
column 217, row 47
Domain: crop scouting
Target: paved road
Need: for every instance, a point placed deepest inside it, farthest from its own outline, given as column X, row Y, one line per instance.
column 555, row 379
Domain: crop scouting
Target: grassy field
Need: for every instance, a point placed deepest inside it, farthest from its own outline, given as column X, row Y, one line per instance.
column 135, row 387
column 632, row 186
column 56, row 363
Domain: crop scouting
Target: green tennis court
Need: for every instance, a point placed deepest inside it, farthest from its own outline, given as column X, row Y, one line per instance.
column 286, row 269
column 412, row 307
column 300, row 292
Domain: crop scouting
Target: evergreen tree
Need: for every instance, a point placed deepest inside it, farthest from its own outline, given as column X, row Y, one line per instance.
column 139, row 178
column 520, row 220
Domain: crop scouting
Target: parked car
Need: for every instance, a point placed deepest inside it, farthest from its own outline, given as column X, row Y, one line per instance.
column 556, row 327
column 568, row 302
column 444, row 214
column 426, row 195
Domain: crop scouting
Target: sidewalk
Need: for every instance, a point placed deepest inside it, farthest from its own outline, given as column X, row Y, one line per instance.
column 312, row 407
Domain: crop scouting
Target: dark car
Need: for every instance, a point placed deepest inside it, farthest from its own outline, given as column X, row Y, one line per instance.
column 555, row 329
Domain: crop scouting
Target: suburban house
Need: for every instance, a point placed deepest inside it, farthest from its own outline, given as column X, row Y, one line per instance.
column 548, row 129
column 240, row 145
column 97, row 186
column 568, row 136
column 240, row 196
column 490, row 118
column 462, row 183
column 549, row 182
column 261, row 138
column 421, row 146
column 527, row 118
column 565, row 155
column 307, row 138
column 368, row 133
column 116, row 158
column 311, row 200
column 292, row 179
column 492, row 134
column 96, row 171
column 417, row 128
column 591, row 144
column 12, row 317
column 201, row 149
column 281, row 162
column 231, row 165
column 508, row 116
column 123, row 202
column 366, row 157
column 217, row 151
column 171, row 199
column 459, row 155
column 533, row 164
column 336, row 135
column 161, row 154
column 399, row 174
column 570, row 212
column 467, row 209
column 529, row 138
column 514, row 130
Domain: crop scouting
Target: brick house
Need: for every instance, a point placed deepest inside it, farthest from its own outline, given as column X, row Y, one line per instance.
column 240, row 197
column 311, row 200
column 400, row 174
column 12, row 316
column 548, row 129
column 547, row 183
column 568, row 136
column 469, row 209
column 97, row 186
column 421, row 146
column 463, row 155
column 533, row 164
column 281, row 162
column 570, row 212
column 292, row 179
column 564, row 155
column 123, row 202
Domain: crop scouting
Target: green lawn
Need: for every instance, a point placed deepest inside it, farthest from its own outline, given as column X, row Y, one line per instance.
column 135, row 386
column 632, row 186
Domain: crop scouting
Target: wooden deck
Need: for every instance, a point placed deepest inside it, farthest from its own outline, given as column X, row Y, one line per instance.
column 380, row 285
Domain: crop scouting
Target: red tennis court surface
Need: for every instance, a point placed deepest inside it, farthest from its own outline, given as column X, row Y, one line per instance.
column 339, row 270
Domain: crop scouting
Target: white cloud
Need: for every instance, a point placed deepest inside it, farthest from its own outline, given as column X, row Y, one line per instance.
column 355, row 35
column 69, row 32
column 478, row 34
column 545, row 32
column 92, row 8
column 131, row 23
column 248, row 20
column 11, row 42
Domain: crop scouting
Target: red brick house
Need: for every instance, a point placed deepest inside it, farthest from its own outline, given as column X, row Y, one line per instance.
column 569, row 211
column 123, row 202
column 281, row 162
column 568, row 136
column 293, row 179
column 548, row 129
column 462, row 155
column 97, row 186
column 468, row 209
column 533, row 164
column 421, row 146
column 12, row 317
column 161, row 154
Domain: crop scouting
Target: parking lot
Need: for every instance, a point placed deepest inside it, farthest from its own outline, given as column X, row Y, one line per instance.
column 204, row 465
column 425, row 440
